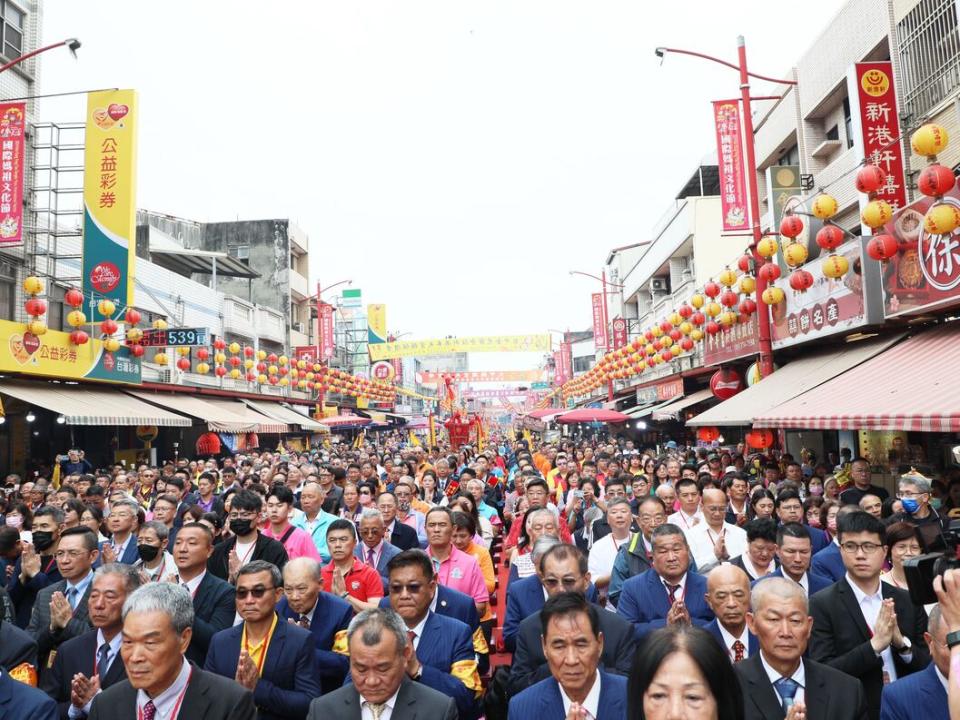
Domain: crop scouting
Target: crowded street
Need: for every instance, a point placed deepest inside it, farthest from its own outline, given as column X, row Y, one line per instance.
column 479, row 361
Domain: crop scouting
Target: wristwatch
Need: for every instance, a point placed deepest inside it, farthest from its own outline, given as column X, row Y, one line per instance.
column 953, row 638
column 907, row 646
column 344, row 595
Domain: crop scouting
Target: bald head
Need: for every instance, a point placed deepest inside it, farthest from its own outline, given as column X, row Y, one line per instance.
column 728, row 595
column 714, row 495
column 728, row 575
column 776, row 589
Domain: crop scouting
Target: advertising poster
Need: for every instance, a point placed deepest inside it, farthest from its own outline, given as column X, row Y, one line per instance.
column 12, row 123
column 733, row 185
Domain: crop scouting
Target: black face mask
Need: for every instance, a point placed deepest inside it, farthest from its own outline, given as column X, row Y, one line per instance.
column 241, row 527
column 148, row 552
column 42, row 540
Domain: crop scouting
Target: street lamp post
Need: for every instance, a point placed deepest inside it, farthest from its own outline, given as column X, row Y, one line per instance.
column 72, row 43
column 606, row 315
column 766, row 348
column 320, row 313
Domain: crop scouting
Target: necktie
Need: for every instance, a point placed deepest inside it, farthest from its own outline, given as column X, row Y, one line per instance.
column 787, row 688
column 304, row 622
column 376, row 709
column 72, row 597
column 149, row 710
column 411, row 636
column 672, row 592
column 103, row 655
column 738, row 651
column 370, row 559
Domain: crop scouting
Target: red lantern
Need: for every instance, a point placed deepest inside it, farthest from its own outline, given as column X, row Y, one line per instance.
column 667, row 355
column 936, row 180
column 769, row 272
column 675, row 335
column 219, row 344
column 711, row 289
column 35, row 307
column 234, row 361
column 132, row 317
column 183, row 363
column 801, row 280
column 203, row 354
column 248, row 351
column 136, row 350
column 870, row 178
column 791, row 226
column 208, row 444
column 830, row 237
column 698, row 318
column 745, row 263
column 284, row 370
column 220, row 371
column 685, row 311
column 708, row 434
column 666, row 326
column 882, row 247
column 108, row 326
column 759, row 439
column 79, row 337
column 686, row 344
column 747, row 306
column 273, row 379
column 712, row 328
column 251, row 376
column 272, row 358
column 728, row 298
column 649, row 335
column 73, row 298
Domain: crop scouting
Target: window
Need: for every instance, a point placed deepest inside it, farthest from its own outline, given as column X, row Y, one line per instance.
column 12, row 22
column 790, row 156
column 240, row 252
column 833, row 133
column 583, row 364
column 8, row 291
column 930, row 55
column 848, row 122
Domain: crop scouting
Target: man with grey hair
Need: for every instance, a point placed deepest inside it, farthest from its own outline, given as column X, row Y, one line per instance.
column 122, row 522
column 778, row 682
column 380, row 688
column 161, row 683
column 374, row 550
column 527, row 595
column 923, row 694
column 913, row 491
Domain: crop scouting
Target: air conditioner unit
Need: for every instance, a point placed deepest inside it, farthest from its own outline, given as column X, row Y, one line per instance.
column 166, row 375
column 298, row 327
column 659, row 285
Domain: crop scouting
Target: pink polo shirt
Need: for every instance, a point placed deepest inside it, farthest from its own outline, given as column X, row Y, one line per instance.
column 461, row 572
column 299, row 544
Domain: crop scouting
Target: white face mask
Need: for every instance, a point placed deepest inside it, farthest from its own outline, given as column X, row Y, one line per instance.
column 14, row 521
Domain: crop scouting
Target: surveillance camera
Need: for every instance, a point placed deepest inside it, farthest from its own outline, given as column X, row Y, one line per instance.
column 658, row 52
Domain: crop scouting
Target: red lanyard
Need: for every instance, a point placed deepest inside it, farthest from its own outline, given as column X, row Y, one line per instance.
column 176, row 707
column 247, row 554
column 49, row 566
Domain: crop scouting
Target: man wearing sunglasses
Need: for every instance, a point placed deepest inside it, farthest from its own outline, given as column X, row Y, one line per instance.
column 374, row 550
column 274, row 660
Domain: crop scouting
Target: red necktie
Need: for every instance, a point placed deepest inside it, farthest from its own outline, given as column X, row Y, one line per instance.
column 738, row 651
column 411, row 635
column 672, row 593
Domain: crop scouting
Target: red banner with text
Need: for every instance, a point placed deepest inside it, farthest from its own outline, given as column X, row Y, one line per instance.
column 599, row 322
column 733, row 185
column 11, row 172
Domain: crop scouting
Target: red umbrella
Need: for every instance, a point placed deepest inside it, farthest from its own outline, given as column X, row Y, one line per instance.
column 543, row 413
column 341, row 420
column 588, row 415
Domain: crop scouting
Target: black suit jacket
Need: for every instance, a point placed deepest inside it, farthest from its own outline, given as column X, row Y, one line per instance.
column 403, row 537
column 264, row 549
column 16, row 647
column 214, row 609
column 76, row 656
column 413, row 701
column 828, row 695
column 841, row 638
column 530, row 665
column 39, row 626
column 208, row 697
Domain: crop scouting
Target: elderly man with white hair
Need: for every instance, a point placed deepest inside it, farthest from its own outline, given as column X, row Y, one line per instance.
column 913, row 491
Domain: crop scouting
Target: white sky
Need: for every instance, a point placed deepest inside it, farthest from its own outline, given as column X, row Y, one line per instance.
column 455, row 159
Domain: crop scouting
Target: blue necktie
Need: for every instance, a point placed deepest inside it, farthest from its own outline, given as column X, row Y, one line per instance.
column 787, row 688
column 72, row 597
column 103, row 658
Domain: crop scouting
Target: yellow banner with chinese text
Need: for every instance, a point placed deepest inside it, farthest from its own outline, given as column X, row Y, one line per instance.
column 449, row 346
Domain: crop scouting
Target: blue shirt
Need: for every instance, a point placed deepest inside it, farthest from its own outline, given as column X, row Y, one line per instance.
column 317, row 530
column 81, row 588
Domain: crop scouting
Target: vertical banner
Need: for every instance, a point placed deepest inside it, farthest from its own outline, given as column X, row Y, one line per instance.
column 599, row 322
column 733, row 186
column 619, row 333
column 109, row 198
column 432, row 425
column 325, row 331
column 557, row 369
column 876, row 128
column 376, row 324
column 566, row 362
column 12, row 120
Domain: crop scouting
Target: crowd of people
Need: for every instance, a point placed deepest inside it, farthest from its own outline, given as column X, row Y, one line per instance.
column 583, row 580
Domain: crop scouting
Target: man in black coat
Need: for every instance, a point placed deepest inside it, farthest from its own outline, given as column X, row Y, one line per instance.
column 247, row 542
column 779, row 677
column 561, row 564
column 863, row 627
column 397, row 534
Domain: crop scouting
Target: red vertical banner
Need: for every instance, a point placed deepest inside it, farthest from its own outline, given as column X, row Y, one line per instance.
column 733, row 186
column 566, row 361
column 619, row 333
column 557, row 369
column 599, row 322
column 326, row 332
column 12, row 121
column 398, row 369
column 876, row 128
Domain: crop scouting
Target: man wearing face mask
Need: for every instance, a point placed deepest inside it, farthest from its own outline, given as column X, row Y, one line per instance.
column 247, row 543
column 154, row 560
column 36, row 568
column 913, row 490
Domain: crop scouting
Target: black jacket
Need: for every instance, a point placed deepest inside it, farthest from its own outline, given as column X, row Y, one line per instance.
column 76, row 656
column 404, row 536
column 265, row 549
column 214, row 608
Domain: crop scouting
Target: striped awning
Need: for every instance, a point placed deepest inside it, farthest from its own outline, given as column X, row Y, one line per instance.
column 82, row 405
column 285, row 414
column 672, row 410
column 910, row 386
column 265, row 424
column 228, row 417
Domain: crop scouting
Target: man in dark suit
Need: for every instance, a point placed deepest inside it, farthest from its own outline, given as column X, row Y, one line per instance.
column 922, row 695
column 374, row 550
column 526, row 596
column 274, row 660
column 22, row 701
column 91, row 662
column 36, row 566
column 156, row 633
column 213, row 599
column 565, row 570
column 863, row 627
column 382, row 664
column 326, row 616
column 790, row 510
column 18, row 651
column 795, row 554
column 634, row 556
column 247, row 542
column 728, row 594
column 568, row 621
column 668, row 592
column 828, row 562
column 779, row 677
column 60, row 611
column 395, row 532
column 122, row 521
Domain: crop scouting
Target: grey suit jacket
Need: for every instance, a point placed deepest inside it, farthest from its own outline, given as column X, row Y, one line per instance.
column 413, row 701
column 39, row 626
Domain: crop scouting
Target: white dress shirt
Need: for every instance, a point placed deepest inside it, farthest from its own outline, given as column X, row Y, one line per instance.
column 417, row 631
column 684, row 521
column 870, row 607
column 701, row 538
column 799, row 677
column 166, row 702
column 729, row 640
column 591, row 703
column 367, row 714
column 192, row 585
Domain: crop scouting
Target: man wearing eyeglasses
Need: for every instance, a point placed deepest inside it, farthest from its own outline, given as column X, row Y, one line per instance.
column 913, row 492
column 274, row 660
column 374, row 550
column 865, row 628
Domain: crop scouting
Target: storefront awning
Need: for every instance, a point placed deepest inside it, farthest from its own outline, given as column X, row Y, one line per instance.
column 264, row 423
column 645, row 410
column 792, row 380
column 672, row 410
column 286, row 415
column 910, row 386
column 217, row 417
column 92, row 406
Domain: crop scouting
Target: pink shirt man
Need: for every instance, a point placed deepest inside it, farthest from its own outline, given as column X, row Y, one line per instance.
column 462, row 572
column 297, row 544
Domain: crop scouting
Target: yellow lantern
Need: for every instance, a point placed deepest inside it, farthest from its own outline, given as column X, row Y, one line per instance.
column 160, row 359
column 106, row 308
column 301, row 384
column 134, row 335
column 773, row 295
column 697, row 300
column 272, row 370
column 262, row 379
column 675, row 318
column 301, row 364
column 727, row 319
column 747, row 284
column 261, row 354
column 712, row 309
column 795, row 254
column 876, row 214
column 203, row 368
column 234, row 348
column 111, row 344
column 726, row 277
column 767, row 247
column 32, row 285
column 686, row 328
column 235, row 373
column 76, row 318
column 824, row 206
column 159, row 324
column 657, row 332
column 941, row 219
column 696, row 334
column 284, row 381
column 835, row 266
column 666, row 341
column 929, row 140
column 310, row 376
column 183, row 351
column 36, row 327
column 248, row 363
column 219, row 358
column 283, row 360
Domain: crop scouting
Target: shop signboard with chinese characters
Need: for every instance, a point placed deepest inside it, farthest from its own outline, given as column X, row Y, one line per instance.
column 454, row 345
column 12, row 123
column 739, row 341
column 566, row 362
column 619, row 332
column 109, row 199
column 925, row 274
column 733, row 185
column 599, row 322
column 829, row 306
column 326, row 332
column 876, row 128
column 53, row 355
column 660, row 392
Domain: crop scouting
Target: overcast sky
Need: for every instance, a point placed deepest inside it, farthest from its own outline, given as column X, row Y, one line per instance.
column 455, row 159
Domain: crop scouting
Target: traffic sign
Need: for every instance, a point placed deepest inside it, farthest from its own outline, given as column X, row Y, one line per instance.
column 175, row 337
